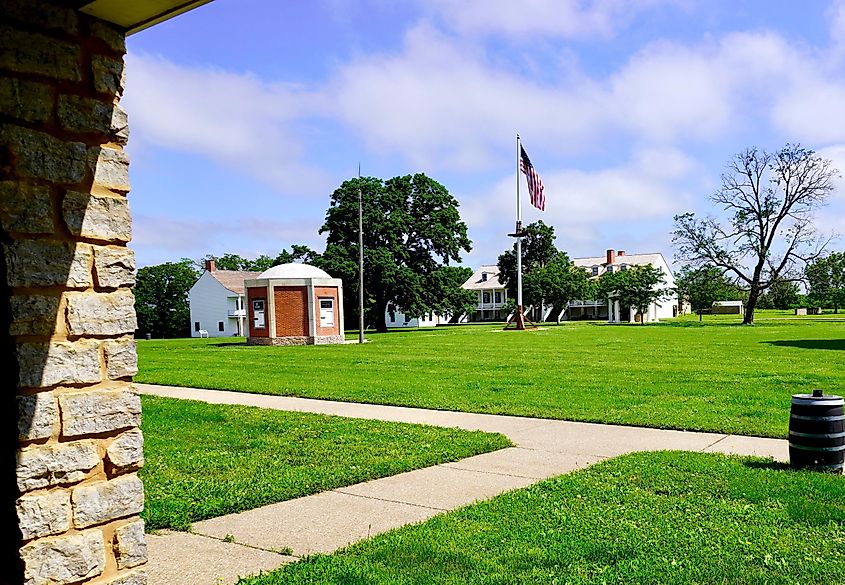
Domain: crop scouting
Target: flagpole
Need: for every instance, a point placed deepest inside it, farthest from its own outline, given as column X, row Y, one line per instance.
column 520, row 323
column 360, row 261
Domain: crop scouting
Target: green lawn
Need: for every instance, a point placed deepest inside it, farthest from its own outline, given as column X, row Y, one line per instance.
column 205, row 460
column 719, row 376
column 644, row 518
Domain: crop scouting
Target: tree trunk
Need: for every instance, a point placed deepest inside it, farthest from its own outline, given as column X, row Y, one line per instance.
column 700, row 313
column 381, row 316
column 753, row 295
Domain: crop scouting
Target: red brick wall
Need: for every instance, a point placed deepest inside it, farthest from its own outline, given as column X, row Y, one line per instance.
column 327, row 291
column 291, row 311
column 258, row 293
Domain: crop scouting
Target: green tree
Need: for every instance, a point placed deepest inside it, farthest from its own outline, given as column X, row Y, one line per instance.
column 782, row 294
column 703, row 286
column 454, row 299
column 639, row 286
column 538, row 249
column 161, row 298
column 557, row 282
column 768, row 201
column 826, row 281
column 298, row 253
column 412, row 228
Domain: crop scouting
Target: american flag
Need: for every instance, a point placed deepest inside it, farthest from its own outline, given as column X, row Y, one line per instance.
column 535, row 183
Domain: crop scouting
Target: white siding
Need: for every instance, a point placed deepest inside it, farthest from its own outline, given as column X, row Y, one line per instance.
column 211, row 303
column 400, row 321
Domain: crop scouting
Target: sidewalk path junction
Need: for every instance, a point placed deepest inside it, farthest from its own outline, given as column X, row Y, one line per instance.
column 325, row 522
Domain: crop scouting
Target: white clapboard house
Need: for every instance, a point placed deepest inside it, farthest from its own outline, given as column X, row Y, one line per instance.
column 610, row 309
column 218, row 308
column 490, row 293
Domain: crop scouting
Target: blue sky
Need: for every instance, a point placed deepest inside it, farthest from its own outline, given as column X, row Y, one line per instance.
column 246, row 114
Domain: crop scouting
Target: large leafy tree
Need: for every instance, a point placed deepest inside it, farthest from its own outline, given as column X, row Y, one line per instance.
column 557, row 282
column 703, row 286
column 454, row 299
column 639, row 286
column 538, row 249
column 826, row 281
column 782, row 294
column 766, row 230
column 412, row 228
column 161, row 298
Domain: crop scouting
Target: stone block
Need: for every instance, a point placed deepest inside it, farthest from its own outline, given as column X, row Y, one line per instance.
column 44, row 514
column 107, row 500
column 46, row 263
column 110, row 167
column 114, row 266
column 99, row 411
column 38, row 416
column 110, row 34
column 26, row 100
column 33, row 315
column 130, row 549
column 26, row 52
column 25, row 208
column 95, row 217
column 42, row 466
column 64, row 560
column 41, row 156
column 121, row 359
column 88, row 115
column 62, row 362
column 109, row 75
column 134, row 577
column 92, row 313
column 127, row 451
column 42, row 14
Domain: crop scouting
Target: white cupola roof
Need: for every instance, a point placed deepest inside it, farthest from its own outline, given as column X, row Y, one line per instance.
column 293, row 270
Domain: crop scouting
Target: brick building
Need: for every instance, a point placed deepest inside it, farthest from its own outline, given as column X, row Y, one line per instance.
column 294, row 304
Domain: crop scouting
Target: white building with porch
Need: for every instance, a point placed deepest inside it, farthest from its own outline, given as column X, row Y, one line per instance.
column 491, row 294
column 218, row 307
column 610, row 309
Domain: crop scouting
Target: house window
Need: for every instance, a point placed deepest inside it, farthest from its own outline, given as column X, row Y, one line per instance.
column 196, row 326
column 483, row 277
column 595, row 270
column 498, row 297
column 610, row 268
column 623, row 268
column 221, row 326
column 486, row 297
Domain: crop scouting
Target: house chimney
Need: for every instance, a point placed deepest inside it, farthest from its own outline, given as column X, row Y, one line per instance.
column 620, row 253
column 210, row 265
column 611, row 256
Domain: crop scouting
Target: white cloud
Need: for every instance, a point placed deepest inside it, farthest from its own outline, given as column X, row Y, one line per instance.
column 157, row 238
column 836, row 17
column 235, row 119
column 528, row 19
column 579, row 202
column 440, row 103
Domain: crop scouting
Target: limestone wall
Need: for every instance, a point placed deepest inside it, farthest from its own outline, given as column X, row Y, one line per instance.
column 66, row 306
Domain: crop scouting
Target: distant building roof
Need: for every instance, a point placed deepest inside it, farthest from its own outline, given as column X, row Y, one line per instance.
column 653, row 258
column 293, row 270
column 233, row 279
column 486, row 277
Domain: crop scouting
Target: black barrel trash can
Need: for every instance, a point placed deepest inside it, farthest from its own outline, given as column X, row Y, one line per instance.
column 817, row 432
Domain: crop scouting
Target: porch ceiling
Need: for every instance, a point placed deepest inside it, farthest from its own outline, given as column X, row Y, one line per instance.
column 137, row 14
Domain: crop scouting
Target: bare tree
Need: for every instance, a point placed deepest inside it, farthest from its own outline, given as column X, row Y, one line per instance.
column 766, row 230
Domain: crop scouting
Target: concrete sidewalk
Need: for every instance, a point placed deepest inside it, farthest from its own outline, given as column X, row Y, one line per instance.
column 330, row 520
